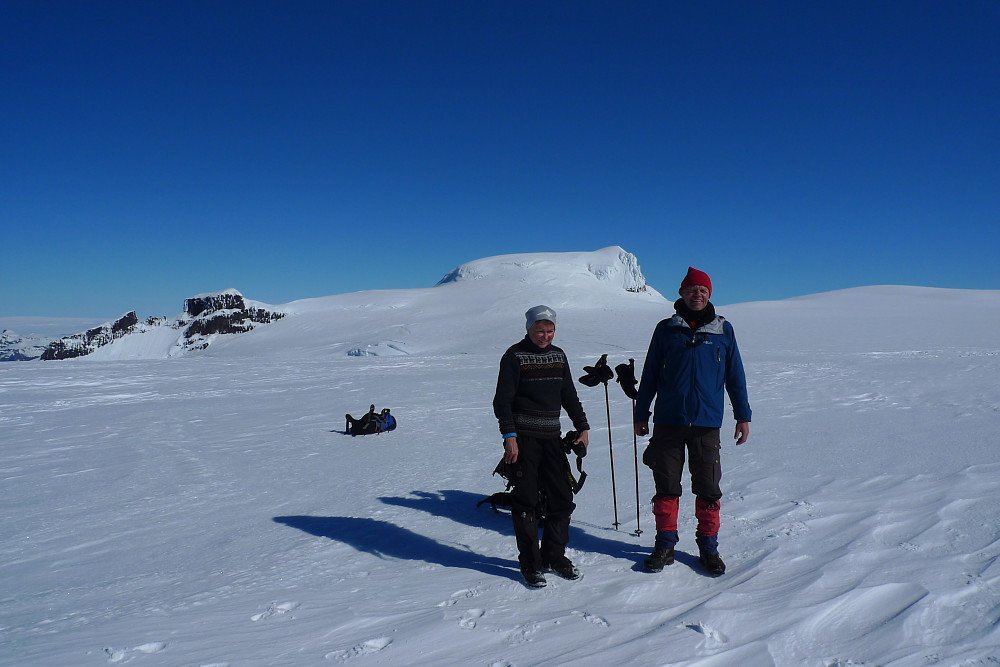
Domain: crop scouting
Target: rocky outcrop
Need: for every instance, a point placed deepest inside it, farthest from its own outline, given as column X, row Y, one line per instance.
column 220, row 313
column 215, row 302
column 205, row 316
column 82, row 344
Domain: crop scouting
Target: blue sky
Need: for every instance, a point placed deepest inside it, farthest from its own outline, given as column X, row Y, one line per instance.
column 153, row 151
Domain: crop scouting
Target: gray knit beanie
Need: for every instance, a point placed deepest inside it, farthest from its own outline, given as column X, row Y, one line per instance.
column 539, row 313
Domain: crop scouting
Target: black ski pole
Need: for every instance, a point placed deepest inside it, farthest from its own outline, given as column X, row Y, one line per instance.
column 635, row 452
column 626, row 378
column 601, row 373
column 611, row 452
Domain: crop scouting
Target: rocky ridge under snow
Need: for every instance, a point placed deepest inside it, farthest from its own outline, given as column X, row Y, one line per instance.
column 509, row 283
column 205, row 317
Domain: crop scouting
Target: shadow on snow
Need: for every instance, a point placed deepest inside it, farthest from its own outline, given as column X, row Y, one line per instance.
column 387, row 540
column 460, row 506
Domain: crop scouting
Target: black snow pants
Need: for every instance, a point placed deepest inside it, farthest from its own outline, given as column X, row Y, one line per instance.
column 665, row 455
column 541, row 487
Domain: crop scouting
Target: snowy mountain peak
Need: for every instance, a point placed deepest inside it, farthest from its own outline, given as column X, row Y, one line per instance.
column 612, row 266
column 14, row 347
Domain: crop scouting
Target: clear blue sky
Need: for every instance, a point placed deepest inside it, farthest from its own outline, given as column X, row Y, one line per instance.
column 150, row 151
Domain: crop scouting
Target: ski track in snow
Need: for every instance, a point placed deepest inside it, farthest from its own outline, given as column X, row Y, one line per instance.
column 210, row 512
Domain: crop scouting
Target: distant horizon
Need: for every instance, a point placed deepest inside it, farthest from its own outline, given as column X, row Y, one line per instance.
column 588, row 289
column 54, row 326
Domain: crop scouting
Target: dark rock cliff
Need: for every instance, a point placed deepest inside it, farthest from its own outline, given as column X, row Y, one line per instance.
column 205, row 316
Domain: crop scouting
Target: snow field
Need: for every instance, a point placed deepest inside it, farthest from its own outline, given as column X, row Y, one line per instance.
column 208, row 510
column 212, row 509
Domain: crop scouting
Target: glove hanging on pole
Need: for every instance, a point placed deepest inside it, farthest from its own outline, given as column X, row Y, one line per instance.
column 597, row 374
column 626, row 378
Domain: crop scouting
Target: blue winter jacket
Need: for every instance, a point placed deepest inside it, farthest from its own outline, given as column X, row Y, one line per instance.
column 687, row 371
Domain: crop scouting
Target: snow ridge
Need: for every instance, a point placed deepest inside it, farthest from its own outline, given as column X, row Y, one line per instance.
column 612, row 266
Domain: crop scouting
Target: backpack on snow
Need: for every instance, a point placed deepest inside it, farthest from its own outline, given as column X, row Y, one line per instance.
column 370, row 422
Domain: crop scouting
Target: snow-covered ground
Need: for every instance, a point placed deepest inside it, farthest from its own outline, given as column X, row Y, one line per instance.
column 208, row 509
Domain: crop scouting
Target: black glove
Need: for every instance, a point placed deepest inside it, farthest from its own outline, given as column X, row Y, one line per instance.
column 598, row 373
column 626, row 378
column 570, row 445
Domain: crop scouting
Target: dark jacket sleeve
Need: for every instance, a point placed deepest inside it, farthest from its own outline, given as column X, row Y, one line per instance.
column 649, row 377
column 503, row 399
column 571, row 401
column 736, row 380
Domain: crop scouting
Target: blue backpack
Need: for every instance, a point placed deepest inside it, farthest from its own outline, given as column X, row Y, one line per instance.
column 371, row 422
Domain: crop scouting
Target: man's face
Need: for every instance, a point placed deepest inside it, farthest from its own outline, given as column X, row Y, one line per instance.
column 541, row 333
column 695, row 297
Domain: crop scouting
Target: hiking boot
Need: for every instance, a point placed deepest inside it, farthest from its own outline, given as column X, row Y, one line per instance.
column 564, row 568
column 533, row 578
column 660, row 557
column 713, row 563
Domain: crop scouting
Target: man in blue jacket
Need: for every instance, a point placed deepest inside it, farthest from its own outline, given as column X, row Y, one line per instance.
column 692, row 359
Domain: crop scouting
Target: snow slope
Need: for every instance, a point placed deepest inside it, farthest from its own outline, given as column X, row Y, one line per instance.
column 207, row 509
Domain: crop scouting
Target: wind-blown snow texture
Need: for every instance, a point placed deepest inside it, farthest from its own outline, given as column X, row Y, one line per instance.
column 207, row 509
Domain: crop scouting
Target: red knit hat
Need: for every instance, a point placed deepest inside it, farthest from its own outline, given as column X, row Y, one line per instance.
column 696, row 277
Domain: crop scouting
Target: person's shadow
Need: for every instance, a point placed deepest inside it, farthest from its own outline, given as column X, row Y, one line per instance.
column 386, row 540
column 461, row 506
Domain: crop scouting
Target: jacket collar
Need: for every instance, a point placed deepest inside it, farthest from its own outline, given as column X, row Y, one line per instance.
column 713, row 327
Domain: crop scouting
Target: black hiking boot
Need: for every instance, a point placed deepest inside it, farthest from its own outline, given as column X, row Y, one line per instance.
column 656, row 561
column 713, row 563
column 564, row 568
column 533, row 578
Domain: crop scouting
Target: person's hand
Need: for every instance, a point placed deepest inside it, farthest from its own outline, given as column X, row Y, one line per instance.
column 584, row 438
column 642, row 428
column 510, row 450
column 742, row 432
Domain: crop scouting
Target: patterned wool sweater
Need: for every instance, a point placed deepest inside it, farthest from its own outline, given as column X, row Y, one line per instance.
column 534, row 384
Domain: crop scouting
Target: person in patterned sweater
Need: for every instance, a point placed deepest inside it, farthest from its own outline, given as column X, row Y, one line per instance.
column 533, row 387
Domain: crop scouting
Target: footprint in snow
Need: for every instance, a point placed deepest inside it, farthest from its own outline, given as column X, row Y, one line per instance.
column 463, row 594
column 713, row 638
column 596, row 620
column 468, row 621
column 364, row 648
column 116, row 655
column 275, row 609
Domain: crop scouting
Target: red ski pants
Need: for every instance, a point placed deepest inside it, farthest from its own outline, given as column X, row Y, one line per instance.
column 665, row 456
